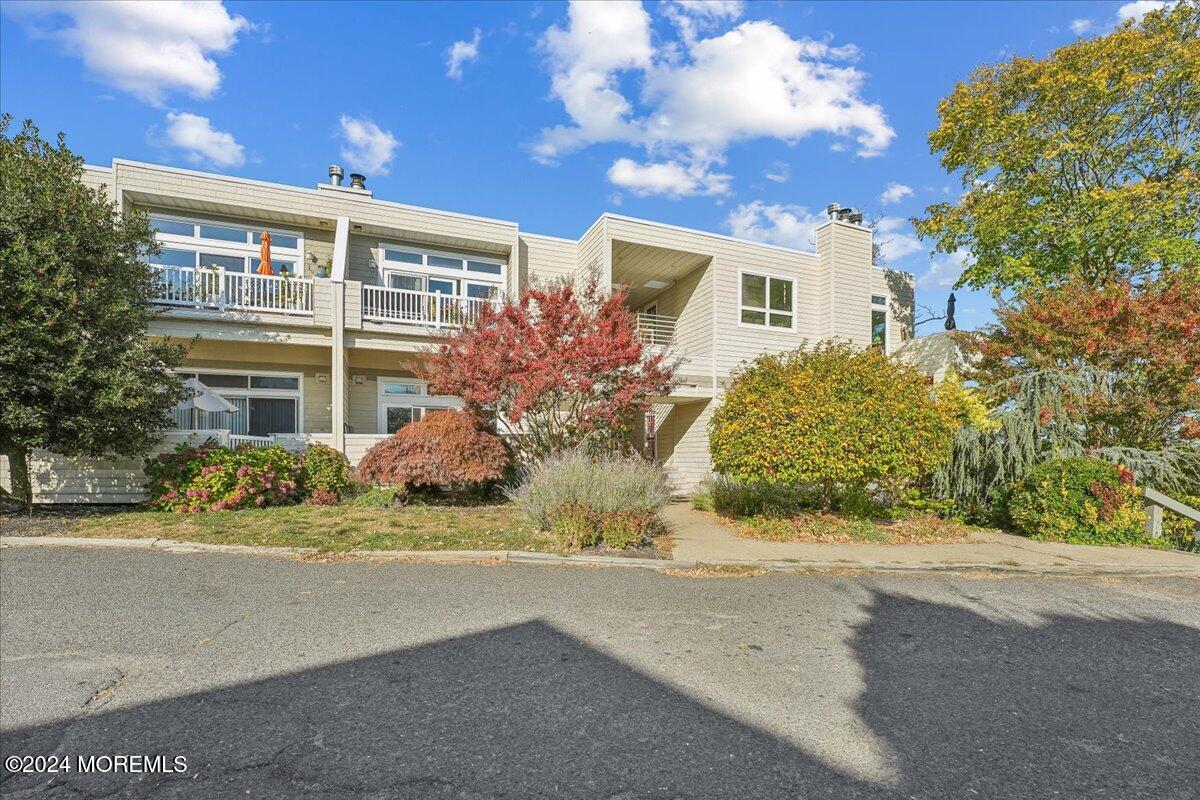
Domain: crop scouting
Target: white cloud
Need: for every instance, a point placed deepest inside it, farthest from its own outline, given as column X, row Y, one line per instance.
column 670, row 178
column 201, row 143
column 600, row 40
column 699, row 95
column 691, row 17
column 1134, row 10
column 756, row 81
column 895, row 239
column 147, row 49
column 778, row 172
column 1140, row 8
column 368, row 147
column 462, row 53
column 894, row 193
column 944, row 270
column 786, row 225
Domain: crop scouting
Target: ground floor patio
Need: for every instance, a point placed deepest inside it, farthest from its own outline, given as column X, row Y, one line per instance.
column 290, row 394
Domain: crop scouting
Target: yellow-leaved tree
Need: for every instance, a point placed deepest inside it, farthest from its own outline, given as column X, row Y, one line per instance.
column 1081, row 165
column 831, row 417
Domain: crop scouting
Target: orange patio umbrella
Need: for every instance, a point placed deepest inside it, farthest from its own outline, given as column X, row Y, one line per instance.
column 264, row 255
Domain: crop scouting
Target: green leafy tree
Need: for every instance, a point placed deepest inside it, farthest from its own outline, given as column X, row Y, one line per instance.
column 78, row 375
column 1082, row 164
column 830, row 417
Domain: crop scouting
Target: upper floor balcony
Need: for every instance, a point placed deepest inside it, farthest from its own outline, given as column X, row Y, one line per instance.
column 655, row 330
column 436, row 310
column 215, row 289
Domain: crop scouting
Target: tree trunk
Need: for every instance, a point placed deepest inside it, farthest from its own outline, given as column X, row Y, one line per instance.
column 18, row 468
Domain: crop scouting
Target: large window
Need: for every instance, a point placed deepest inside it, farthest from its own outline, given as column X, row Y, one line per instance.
column 405, row 400
column 420, row 270
column 233, row 248
column 768, row 301
column 879, row 322
column 266, row 403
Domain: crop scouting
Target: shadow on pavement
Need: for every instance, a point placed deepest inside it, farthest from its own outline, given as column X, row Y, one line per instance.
column 969, row 707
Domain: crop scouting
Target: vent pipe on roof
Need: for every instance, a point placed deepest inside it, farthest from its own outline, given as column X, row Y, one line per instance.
column 335, row 175
column 358, row 180
column 832, row 209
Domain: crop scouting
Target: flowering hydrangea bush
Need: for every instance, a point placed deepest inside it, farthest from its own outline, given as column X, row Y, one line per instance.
column 214, row 478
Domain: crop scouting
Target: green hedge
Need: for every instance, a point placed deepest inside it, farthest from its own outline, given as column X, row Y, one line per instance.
column 1078, row 500
column 324, row 475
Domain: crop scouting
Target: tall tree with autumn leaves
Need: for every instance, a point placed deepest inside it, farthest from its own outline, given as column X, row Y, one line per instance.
column 1080, row 210
column 561, row 368
column 1083, row 165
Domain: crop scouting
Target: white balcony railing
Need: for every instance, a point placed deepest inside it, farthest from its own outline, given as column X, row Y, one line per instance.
column 225, row 437
column 189, row 287
column 430, row 309
column 656, row 329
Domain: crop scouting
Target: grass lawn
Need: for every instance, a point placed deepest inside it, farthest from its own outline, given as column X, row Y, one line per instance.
column 331, row 529
column 818, row 527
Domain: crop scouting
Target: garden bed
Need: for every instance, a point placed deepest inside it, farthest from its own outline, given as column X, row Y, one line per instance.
column 820, row 527
column 333, row 529
column 328, row 528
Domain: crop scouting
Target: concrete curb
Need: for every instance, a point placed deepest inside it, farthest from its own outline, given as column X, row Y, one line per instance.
column 522, row 557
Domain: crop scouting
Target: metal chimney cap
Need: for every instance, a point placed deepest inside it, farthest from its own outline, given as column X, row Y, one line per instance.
column 358, row 180
column 335, row 174
column 832, row 209
column 856, row 218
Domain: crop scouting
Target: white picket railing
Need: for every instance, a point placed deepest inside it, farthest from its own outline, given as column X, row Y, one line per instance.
column 223, row 437
column 215, row 288
column 656, row 329
column 237, row 440
column 431, row 309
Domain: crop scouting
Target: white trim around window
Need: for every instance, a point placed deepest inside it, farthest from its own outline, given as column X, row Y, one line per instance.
column 426, row 263
column 408, row 393
column 885, row 309
column 296, row 394
column 172, row 236
column 765, row 309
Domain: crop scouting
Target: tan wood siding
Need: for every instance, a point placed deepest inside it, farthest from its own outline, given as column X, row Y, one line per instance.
column 543, row 259
column 900, row 290
column 220, row 193
column 682, row 442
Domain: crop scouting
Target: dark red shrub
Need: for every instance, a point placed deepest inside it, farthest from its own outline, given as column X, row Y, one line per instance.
column 446, row 449
column 321, row 497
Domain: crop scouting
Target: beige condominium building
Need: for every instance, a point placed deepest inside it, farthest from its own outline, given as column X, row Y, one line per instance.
column 328, row 348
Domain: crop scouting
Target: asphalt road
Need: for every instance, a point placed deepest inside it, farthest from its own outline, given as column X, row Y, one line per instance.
column 284, row 679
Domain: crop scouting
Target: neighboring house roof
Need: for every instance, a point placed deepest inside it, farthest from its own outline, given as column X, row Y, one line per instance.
column 935, row 354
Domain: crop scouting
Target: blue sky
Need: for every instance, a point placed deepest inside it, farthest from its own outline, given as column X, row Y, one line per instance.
column 737, row 117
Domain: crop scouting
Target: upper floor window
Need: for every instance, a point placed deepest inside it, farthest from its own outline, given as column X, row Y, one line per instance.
column 879, row 322
column 398, row 260
column 233, row 248
column 768, row 301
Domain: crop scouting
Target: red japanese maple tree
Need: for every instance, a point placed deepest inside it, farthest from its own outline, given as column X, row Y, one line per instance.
column 561, row 368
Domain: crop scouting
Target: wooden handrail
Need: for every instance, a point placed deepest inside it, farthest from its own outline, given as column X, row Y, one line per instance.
column 1156, row 501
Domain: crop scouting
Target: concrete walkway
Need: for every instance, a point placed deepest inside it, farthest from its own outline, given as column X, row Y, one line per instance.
column 701, row 537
